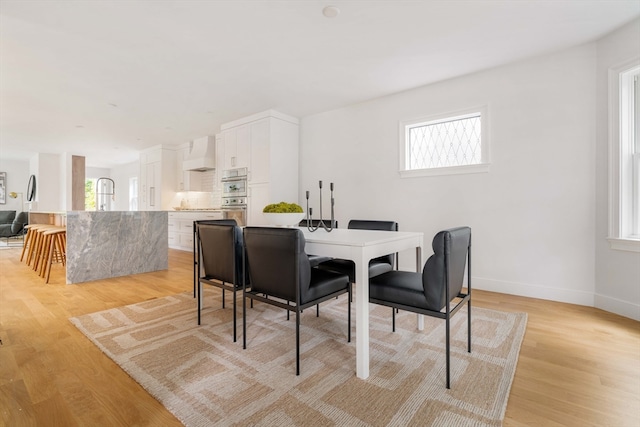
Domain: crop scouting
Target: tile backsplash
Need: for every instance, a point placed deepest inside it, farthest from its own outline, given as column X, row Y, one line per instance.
column 209, row 197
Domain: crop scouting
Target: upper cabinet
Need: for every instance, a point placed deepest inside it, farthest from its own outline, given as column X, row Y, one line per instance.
column 236, row 147
column 266, row 144
column 157, row 178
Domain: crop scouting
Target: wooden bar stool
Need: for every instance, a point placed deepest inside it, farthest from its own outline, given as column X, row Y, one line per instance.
column 29, row 239
column 32, row 253
column 57, row 251
column 41, row 248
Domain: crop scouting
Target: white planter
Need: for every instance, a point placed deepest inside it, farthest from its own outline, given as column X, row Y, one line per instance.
column 284, row 219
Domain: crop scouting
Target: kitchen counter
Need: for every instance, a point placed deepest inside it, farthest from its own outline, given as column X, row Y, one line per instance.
column 181, row 226
column 196, row 209
column 51, row 218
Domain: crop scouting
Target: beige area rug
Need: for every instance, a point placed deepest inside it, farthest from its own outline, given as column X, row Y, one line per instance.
column 204, row 378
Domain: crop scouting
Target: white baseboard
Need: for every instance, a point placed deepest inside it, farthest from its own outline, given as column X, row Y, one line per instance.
column 614, row 305
column 534, row 291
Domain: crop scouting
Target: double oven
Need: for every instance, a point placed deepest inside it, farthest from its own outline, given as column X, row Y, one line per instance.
column 234, row 194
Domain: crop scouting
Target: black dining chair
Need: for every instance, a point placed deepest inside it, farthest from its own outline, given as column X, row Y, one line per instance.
column 433, row 291
column 196, row 247
column 219, row 254
column 316, row 260
column 280, row 274
column 377, row 265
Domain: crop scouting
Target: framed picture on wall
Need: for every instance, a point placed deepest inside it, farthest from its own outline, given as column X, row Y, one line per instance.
column 3, row 188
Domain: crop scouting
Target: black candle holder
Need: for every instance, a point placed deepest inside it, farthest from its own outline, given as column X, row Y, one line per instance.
column 320, row 223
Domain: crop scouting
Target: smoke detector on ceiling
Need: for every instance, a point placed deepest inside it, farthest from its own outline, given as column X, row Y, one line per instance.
column 330, row 11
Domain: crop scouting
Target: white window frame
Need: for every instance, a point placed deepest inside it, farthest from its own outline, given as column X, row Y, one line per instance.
column 624, row 160
column 133, row 194
column 403, row 141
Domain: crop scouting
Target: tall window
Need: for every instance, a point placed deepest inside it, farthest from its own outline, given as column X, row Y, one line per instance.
column 624, row 218
column 90, row 194
column 444, row 145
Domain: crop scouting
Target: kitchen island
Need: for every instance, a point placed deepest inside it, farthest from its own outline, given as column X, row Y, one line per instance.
column 101, row 245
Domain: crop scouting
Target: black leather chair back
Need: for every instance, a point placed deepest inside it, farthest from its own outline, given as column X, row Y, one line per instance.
column 450, row 248
column 221, row 249
column 362, row 224
column 277, row 262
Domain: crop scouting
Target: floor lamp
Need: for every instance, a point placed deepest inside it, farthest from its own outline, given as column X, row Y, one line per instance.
column 15, row 195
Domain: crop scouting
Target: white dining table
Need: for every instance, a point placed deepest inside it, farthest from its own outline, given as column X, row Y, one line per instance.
column 361, row 246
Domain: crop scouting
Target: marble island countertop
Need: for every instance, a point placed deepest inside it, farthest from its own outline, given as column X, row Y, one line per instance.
column 107, row 244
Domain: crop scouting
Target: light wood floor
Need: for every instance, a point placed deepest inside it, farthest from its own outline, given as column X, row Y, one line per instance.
column 578, row 366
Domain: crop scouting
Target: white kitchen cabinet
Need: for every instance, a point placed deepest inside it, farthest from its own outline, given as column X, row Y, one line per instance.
column 181, row 227
column 259, row 197
column 157, row 178
column 220, row 160
column 272, row 159
column 236, row 147
column 260, row 167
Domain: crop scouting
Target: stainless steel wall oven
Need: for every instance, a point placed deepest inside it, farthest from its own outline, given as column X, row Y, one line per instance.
column 234, row 194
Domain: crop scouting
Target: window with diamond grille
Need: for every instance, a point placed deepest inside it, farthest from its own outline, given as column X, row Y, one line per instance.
column 454, row 141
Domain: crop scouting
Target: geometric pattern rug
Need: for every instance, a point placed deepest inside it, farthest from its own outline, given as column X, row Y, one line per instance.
column 201, row 376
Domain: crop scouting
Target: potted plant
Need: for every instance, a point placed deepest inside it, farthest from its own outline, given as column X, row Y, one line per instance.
column 283, row 214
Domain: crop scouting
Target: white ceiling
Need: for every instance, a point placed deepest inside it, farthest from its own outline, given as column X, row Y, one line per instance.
column 105, row 79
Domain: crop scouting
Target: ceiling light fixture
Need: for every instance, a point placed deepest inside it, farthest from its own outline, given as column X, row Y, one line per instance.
column 330, row 11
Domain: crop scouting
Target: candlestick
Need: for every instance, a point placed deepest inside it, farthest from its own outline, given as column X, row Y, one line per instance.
column 321, row 223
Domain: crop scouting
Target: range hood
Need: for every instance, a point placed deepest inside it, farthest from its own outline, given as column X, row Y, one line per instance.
column 202, row 155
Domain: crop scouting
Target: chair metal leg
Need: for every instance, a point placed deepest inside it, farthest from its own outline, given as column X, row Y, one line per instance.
column 393, row 319
column 234, row 316
column 297, row 341
column 317, row 310
column 223, row 296
column 349, row 316
column 244, row 321
column 448, row 355
column 469, row 326
column 199, row 299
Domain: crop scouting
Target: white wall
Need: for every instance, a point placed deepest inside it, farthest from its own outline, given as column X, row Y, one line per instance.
column 532, row 215
column 617, row 282
column 17, row 180
column 47, row 169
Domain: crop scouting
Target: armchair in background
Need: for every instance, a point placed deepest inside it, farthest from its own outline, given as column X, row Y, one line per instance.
column 12, row 225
